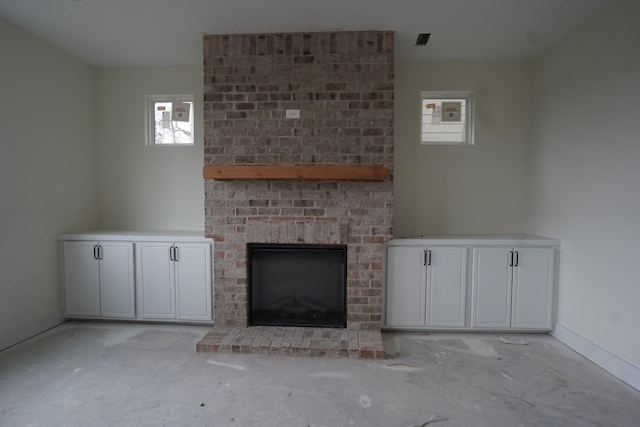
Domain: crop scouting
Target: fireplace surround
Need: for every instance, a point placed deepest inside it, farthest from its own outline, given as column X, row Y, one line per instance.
column 342, row 85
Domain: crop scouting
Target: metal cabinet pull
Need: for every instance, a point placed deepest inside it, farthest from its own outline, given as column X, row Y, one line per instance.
column 97, row 252
column 424, row 257
column 173, row 253
column 429, row 257
column 517, row 258
column 510, row 258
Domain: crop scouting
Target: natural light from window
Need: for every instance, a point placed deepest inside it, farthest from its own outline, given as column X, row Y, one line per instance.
column 446, row 118
column 170, row 120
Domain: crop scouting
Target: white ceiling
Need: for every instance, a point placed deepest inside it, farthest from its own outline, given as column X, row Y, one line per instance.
column 112, row 33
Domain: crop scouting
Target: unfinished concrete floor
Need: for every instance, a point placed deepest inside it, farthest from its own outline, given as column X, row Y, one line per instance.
column 118, row 374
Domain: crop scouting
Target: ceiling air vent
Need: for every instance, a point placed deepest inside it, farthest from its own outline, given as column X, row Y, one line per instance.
column 422, row 39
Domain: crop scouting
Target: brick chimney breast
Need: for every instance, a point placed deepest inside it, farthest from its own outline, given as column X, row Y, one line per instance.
column 342, row 83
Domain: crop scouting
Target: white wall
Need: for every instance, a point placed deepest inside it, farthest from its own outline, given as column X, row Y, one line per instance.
column 463, row 189
column 585, row 180
column 47, row 174
column 143, row 187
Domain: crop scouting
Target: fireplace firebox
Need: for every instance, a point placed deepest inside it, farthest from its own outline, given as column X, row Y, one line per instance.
column 297, row 284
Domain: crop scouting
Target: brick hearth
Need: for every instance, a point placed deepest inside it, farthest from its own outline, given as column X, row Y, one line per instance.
column 342, row 83
column 290, row 341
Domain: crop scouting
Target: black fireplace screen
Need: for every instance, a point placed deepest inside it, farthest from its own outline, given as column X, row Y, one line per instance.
column 297, row 285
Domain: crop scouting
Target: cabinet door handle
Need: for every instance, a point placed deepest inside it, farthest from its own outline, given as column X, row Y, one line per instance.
column 95, row 251
column 170, row 253
column 175, row 253
column 424, row 258
column 510, row 258
column 99, row 251
column 517, row 258
column 429, row 257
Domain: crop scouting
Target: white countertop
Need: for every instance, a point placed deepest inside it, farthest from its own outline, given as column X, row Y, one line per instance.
column 475, row 240
column 139, row 236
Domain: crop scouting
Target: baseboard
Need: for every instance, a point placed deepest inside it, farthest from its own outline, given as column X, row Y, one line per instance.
column 617, row 367
column 23, row 331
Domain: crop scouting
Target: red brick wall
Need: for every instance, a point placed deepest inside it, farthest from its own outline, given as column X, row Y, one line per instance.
column 342, row 83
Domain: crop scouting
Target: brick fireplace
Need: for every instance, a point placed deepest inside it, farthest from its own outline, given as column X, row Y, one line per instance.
column 342, row 85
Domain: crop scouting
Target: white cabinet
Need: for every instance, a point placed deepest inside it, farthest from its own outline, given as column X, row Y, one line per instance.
column 425, row 286
column 174, row 281
column 405, row 301
column 192, row 262
column 159, row 276
column 98, row 279
column 512, row 288
column 446, row 286
column 491, row 288
column 155, row 281
column 510, row 285
column 532, row 288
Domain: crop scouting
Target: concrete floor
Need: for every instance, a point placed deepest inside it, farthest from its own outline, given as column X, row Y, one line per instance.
column 104, row 374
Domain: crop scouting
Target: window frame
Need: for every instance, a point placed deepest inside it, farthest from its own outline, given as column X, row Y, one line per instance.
column 469, row 111
column 150, row 101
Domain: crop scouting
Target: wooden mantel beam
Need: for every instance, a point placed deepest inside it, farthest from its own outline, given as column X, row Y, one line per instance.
column 318, row 172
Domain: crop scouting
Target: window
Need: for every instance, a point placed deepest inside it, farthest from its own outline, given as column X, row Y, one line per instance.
column 447, row 118
column 170, row 120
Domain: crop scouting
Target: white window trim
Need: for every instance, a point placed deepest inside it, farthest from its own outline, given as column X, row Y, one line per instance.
column 150, row 101
column 469, row 130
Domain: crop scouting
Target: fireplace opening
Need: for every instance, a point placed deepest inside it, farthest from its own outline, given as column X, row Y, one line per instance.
column 297, row 285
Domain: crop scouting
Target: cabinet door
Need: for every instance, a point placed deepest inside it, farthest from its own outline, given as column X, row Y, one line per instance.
column 193, row 281
column 116, row 280
column 405, row 286
column 155, row 281
column 532, row 288
column 81, row 279
column 491, row 288
column 446, row 283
